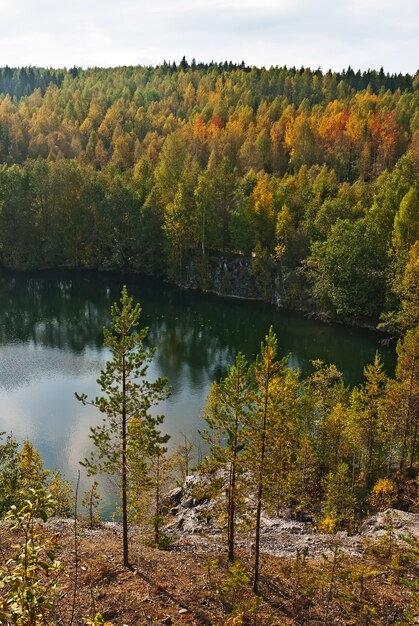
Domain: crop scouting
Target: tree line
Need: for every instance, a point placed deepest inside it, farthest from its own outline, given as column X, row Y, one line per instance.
column 311, row 175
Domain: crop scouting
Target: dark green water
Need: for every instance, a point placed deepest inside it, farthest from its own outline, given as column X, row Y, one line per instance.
column 51, row 346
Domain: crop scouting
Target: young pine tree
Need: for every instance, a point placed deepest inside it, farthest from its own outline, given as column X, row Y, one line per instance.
column 367, row 403
column 225, row 413
column 184, row 455
column 150, row 480
column 261, row 426
column 126, row 399
column 90, row 501
column 406, row 394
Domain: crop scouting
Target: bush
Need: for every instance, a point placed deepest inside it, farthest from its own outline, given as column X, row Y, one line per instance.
column 28, row 588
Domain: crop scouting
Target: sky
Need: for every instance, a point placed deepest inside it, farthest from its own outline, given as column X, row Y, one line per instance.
column 310, row 33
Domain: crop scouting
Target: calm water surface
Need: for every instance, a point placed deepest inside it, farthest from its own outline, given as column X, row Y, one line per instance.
column 51, row 346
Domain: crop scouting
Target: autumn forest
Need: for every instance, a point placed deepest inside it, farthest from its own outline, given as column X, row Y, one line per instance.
column 309, row 180
column 311, row 176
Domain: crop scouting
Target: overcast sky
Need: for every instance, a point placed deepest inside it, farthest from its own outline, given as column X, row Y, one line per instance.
column 315, row 33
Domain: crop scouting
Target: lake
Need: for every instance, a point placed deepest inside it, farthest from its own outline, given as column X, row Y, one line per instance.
column 51, row 346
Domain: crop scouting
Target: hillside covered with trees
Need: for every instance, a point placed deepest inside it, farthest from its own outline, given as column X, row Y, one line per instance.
column 311, row 176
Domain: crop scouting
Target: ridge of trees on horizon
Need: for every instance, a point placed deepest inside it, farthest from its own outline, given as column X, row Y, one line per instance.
column 22, row 81
column 314, row 176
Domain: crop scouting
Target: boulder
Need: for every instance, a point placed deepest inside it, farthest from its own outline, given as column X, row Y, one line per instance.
column 401, row 522
column 174, row 496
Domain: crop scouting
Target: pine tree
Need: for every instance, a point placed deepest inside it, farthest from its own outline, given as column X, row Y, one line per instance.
column 225, row 415
column 408, row 388
column 125, row 404
column 261, row 424
column 367, row 403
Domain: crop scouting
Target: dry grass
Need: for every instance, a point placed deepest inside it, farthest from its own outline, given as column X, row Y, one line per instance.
column 186, row 585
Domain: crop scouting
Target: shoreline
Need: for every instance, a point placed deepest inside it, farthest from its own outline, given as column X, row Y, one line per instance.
column 310, row 313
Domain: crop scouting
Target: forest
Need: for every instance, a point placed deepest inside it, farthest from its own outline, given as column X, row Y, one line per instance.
column 312, row 176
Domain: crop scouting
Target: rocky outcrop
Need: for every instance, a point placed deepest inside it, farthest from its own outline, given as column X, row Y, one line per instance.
column 194, row 520
column 401, row 523
column 224, row 276
column 194, row 523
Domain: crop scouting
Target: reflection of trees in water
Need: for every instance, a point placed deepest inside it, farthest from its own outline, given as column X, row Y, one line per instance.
column 56, row 310
column 204, row 333
column 197, row 335
column 185, row 348
column 67, row 310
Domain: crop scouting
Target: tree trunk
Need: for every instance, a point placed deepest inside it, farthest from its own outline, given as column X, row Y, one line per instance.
column 124, row 467
column 157, row 513
column 260, row 487
column 416, row 416
column 232, row 505
column 414, row 441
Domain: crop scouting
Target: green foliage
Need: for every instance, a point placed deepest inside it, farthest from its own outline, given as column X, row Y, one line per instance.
column 367, row 404
column 62, row 493
column 9, row 468
column 128, row 436
column 349, row 270
column 338, row 506
column 405, row 287
column 262, row 270
column 127, row 393
column 28, row 581
column 236, row 595
column 406, row 223
column 226, row 413
column 324, row 450
column 91, row 502
column 405, row 399
column 146, row 491
column 23, row 469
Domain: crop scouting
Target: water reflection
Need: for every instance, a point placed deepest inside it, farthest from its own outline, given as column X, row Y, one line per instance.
column 51, row 345
column 58, row 312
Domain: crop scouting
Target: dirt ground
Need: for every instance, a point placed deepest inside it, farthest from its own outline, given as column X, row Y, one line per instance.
column 189, row 584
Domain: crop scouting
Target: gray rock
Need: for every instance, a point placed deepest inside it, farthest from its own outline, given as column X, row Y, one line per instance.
column 191, row 480
column 230, row 277
column 288, row 513
column 173, row 497
column 190, row 525
column 402, row 522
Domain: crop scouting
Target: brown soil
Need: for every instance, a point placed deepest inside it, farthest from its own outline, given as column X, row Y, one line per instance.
column 187, row 585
